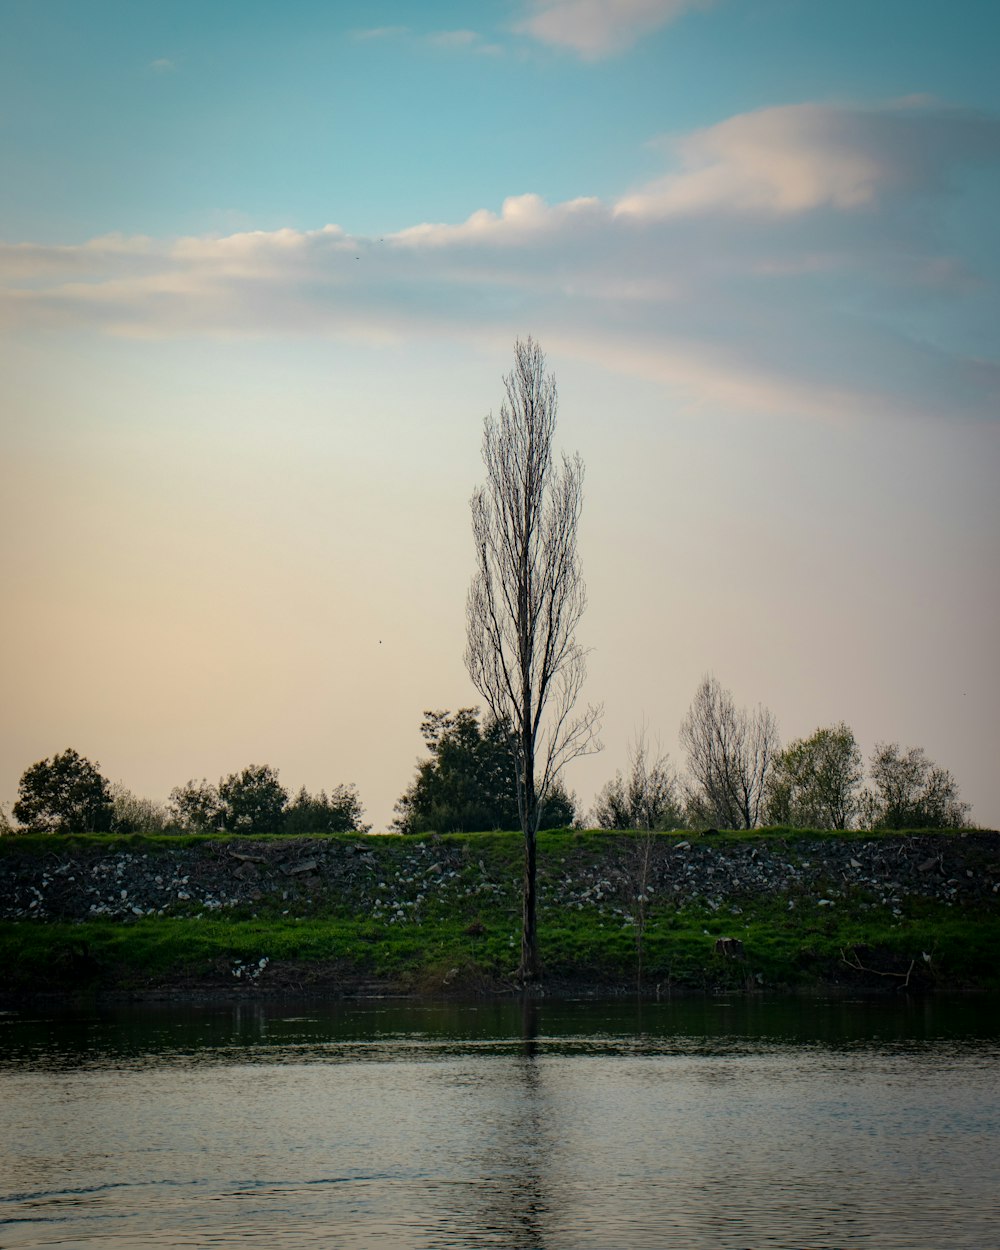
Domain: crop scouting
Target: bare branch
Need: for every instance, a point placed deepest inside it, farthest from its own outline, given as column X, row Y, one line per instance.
column 730, row 754
column 855, row 963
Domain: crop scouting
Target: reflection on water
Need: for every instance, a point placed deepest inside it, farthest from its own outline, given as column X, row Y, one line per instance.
column 289, row 1031
column 696, row 1124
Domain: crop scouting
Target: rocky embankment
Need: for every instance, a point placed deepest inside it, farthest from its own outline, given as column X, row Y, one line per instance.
column 392, row 879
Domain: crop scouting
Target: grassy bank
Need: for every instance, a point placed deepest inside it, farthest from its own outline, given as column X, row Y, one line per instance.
column 805, row 927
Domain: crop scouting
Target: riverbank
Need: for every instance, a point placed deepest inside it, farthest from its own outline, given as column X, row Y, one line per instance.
column 357, row 915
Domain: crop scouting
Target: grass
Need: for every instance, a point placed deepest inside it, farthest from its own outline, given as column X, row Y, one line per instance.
column 345, row 951
column 57, row 843
column 497, row 843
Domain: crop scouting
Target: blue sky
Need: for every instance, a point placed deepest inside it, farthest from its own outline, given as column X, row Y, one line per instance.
column 757, row 240
column 175, row 118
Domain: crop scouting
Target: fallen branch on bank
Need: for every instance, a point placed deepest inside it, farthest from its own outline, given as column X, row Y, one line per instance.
column 855, row 963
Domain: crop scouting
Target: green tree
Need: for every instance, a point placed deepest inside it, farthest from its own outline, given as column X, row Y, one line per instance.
column 133, row 814
column 64, row 794
column 253, row 801
column 909, row 791
column 647, row 798
column 814, row 781
column 339, row 812
column 468, row 782
column 197, row 808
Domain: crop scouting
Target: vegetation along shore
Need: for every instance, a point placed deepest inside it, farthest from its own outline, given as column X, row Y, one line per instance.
column 619, row 912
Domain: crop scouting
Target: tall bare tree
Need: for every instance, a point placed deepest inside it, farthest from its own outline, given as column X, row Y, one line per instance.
column 525, row 602
column 730, row 753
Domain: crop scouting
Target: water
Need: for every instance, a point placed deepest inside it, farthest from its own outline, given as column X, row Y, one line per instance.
column 703, row 1125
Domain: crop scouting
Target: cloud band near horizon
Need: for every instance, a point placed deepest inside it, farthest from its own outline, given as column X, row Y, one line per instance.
column 776, row 265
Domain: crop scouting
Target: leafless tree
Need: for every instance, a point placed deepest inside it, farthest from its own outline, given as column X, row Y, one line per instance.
column 525, row 602
column 730, row 752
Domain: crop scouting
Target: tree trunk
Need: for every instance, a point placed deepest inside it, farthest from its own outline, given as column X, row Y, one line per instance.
column 529, row 972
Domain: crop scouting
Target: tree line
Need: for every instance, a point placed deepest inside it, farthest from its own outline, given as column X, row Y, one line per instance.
column 738, row 776
column 68, row 794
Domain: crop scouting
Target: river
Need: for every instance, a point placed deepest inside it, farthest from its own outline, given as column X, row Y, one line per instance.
column 702, row 1124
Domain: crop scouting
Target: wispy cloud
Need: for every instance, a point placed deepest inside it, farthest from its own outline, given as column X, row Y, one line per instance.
column 464, row 41
column 778, row 266
column 162, row 65
column 448, row 40
column 381, row 32
column 599, row 28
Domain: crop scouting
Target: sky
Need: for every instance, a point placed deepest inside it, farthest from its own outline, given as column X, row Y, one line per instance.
column 262, row 269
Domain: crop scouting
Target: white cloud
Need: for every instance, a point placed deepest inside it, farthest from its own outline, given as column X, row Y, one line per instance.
column 162, row 65
column 797, row 158
column 599, row 28
column 522, row 219
column 716, row 279
column 779, row 160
